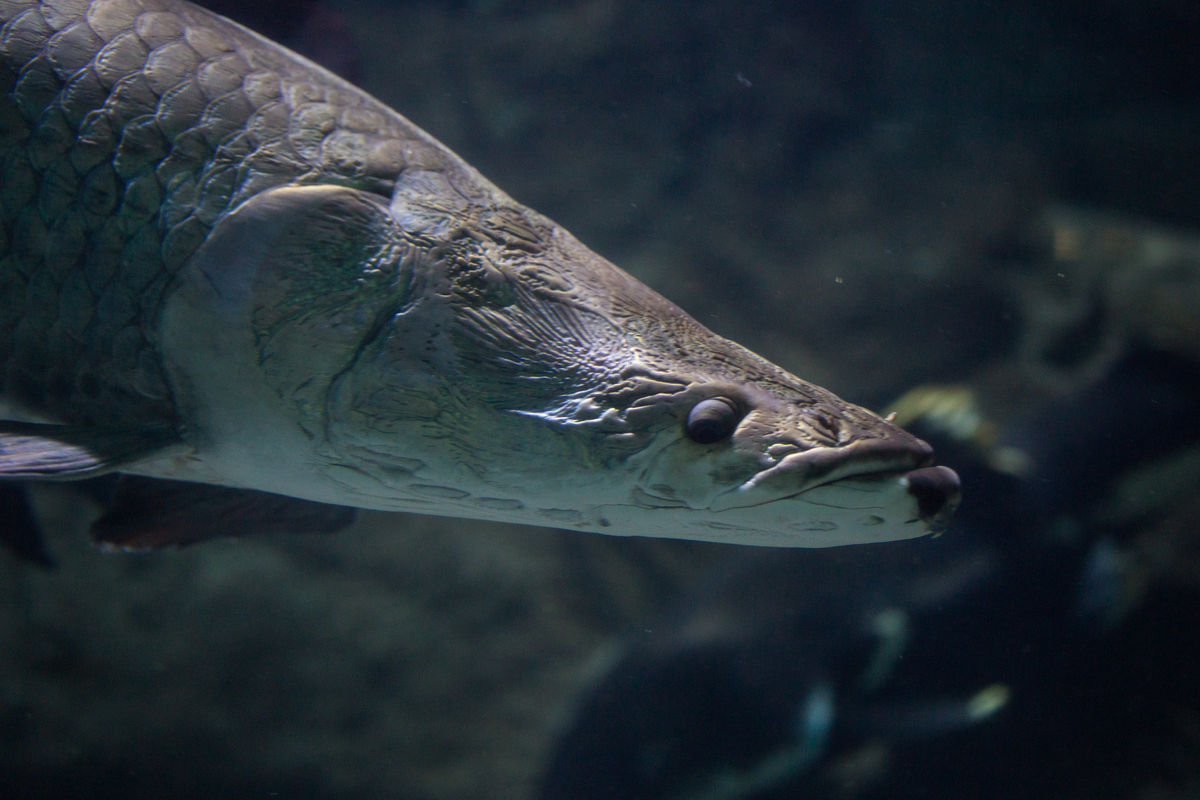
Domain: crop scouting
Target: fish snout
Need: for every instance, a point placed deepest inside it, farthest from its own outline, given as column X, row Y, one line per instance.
column 937, row 491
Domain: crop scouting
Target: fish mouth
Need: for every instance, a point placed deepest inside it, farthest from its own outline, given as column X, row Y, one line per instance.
column 868, row 464
column 937, row 491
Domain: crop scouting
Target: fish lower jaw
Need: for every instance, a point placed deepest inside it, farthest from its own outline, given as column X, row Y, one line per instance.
column 823, row 528
column 875, row 507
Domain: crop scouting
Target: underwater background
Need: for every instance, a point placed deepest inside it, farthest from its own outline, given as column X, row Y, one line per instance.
column 994, row 205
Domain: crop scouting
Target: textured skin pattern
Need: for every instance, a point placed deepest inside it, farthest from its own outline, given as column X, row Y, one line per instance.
column 127, row 128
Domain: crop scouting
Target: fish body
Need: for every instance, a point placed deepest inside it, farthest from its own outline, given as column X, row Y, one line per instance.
column 221, row 263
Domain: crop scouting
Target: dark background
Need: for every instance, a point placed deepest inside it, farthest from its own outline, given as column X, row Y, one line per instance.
column 874, row 195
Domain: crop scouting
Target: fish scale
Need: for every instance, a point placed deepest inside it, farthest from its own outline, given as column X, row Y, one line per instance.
column 128, row 129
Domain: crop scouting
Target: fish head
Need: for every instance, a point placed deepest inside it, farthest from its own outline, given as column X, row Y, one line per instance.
column 733, row 461
column 544, row 385
column 480, row 362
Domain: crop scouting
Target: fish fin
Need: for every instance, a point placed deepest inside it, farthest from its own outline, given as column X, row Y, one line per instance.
column 43, row 451
column 20, row 532
column 147, row 513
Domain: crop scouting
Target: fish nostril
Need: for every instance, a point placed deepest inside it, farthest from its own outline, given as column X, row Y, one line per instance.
column 937, row 491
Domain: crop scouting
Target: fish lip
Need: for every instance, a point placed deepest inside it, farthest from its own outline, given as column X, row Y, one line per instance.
column 865, row 457
column 870, row 460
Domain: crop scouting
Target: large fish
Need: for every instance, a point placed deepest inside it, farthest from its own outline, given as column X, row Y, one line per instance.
column 222, row 264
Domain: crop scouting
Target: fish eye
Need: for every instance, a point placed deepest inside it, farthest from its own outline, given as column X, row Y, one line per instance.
column 712, row 420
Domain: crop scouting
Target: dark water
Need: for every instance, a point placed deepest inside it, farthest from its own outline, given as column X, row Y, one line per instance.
column 875, row 195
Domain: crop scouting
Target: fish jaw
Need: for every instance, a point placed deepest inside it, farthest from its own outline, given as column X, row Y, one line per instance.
column 846, row 512
column 871, row 490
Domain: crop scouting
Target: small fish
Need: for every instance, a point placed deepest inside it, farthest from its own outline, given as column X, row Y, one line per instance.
column 222, row 264
column 771, row 679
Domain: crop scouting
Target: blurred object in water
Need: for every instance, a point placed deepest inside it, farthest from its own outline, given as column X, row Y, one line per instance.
column 954, row 411
column 777, row 666
column 1084, row 444
column 1110, row 283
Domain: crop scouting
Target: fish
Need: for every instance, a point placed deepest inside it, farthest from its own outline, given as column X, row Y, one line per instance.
column 783, row 668
column 225, row 266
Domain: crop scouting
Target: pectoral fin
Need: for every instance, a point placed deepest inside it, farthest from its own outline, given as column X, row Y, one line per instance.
column 47, row 452
column 146, row 514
